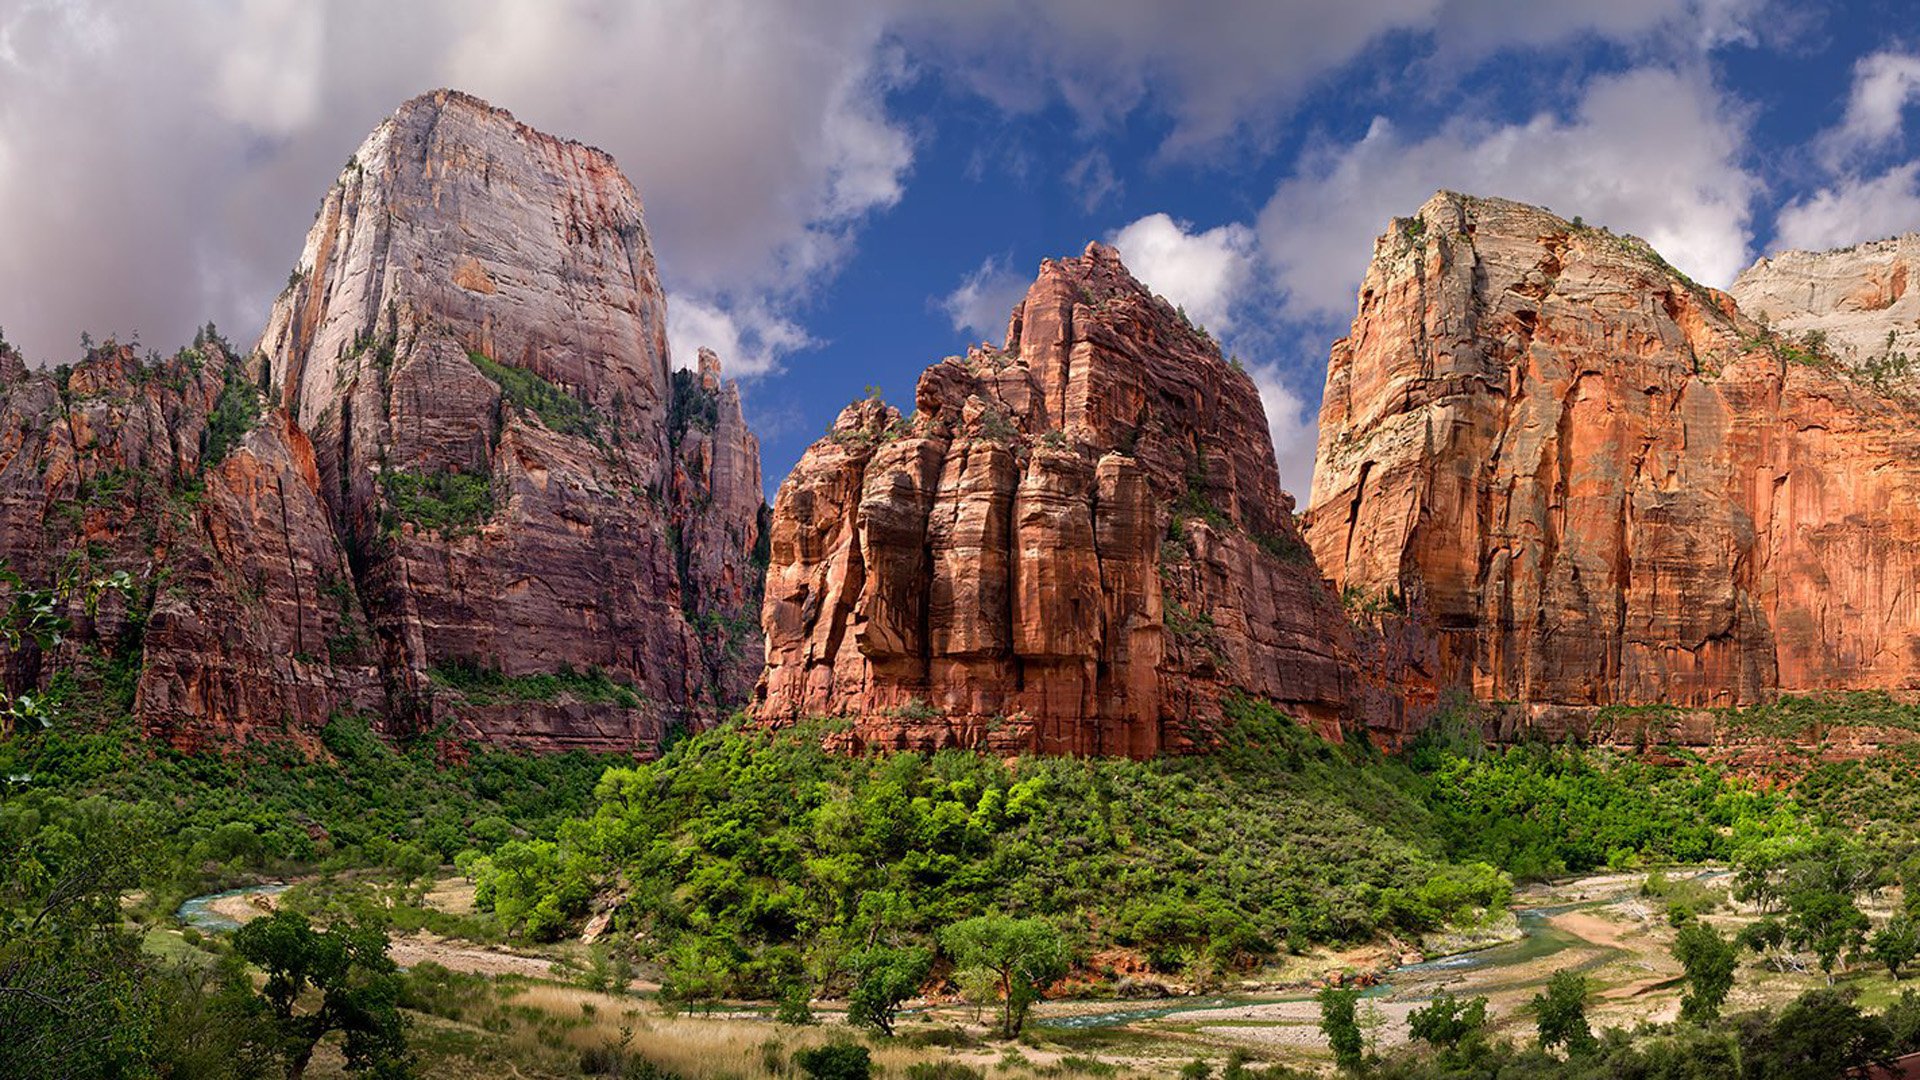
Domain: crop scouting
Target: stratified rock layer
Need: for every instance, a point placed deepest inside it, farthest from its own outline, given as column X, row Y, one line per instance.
column 1077, row 543
column 1862, row 300
column 1587, row 481
column 471, row 466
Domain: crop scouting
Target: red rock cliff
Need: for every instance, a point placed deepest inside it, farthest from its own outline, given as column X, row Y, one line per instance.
column 1589, row 481
column 1076, row 543
column 470, row 466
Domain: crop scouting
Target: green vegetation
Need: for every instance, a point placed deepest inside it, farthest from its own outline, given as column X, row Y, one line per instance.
column 1009, row 960
column 1340, row 1023
column 450, row 502
column 883, row 978
column 488, row 686
column 1820, row 1035
column 691, row 406
column 235, row 412
column 1560, row 1013
column 559, row 410
column 757, row 859
column 1709, row 960
column 358, row 984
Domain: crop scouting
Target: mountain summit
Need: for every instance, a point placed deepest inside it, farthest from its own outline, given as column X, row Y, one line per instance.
column 456, row 487
column 1076, row 543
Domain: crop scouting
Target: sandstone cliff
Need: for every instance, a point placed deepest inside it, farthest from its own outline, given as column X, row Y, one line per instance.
column 1857, row 299
column 1586, row 481
column 1075, row 543
column 456, row 488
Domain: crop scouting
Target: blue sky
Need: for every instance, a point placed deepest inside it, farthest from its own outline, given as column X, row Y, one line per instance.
column 843, row 191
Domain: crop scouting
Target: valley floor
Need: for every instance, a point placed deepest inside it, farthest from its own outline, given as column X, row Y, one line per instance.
column 521, row 1011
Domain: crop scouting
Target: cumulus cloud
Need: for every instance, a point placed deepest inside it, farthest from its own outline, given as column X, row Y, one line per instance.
column 1884, row 84
column 750, row 338
column 1650, row 151
column 1203, row 272
column 159, row 163
column 984, row 299
column 1227, row 69
column 1853, row 210
column 1294, row 427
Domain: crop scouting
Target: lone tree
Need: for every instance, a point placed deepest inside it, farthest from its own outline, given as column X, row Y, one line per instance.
column 1560, row 1012
column 885, row 977
column 1022, row 956
column 1448, row 1021
column 1340, row 1024
column 1709, row 960
column 358, row 986
column 1895, row 943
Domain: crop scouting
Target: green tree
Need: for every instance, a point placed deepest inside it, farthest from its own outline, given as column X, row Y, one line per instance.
column 1824, row 921
column 1820, row 1035
column 885, row 977
column 1560, row 1013
column 1895, row 943
column 1448, row 1021
column 358, row 984
column 1709, row 960
column 1340, row 1023
column 1023, row 956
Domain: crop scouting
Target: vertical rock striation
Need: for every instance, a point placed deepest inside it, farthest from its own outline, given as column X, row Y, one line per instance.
column 1076, row 543
column 1587, row 481
column 456, row 488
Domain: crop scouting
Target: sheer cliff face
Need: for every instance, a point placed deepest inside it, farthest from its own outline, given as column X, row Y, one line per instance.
column 1590, row 482
column 471, row 464
column 1862, row 299
column 477, row 306
column 1077, row 543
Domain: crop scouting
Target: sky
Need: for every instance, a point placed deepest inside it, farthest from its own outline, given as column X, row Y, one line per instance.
column 841, row 192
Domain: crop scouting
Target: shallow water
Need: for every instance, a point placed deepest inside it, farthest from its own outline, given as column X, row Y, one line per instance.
column 198, row 912
column 1538, row 939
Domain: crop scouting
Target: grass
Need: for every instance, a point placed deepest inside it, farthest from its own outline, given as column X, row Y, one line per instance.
column 488, row 686
column 559, row 410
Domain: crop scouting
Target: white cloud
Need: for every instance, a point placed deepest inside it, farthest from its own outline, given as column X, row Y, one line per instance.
column 1651, row 151
column 1883, row 86
column 1853, row 210
column 1202, row 272
column 273, row 91
column 984, row 300
column 1226, row 70
column 1294, row 426
column 197, row 137
column 750, row 338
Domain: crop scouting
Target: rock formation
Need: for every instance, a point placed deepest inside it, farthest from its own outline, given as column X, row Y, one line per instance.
column 1856, row 301
column 475, row 499
column 1586, row 481
column 1076, row 543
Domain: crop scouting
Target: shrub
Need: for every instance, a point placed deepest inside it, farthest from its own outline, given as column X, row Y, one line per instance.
column 835, row 1061
column 449, row 501
column 559, row 410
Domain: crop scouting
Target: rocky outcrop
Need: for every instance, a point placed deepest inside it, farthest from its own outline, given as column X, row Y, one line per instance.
column 1076, row 543
column 456, row 488
column 719, row 526
column 1562, row 475
column 1859, row 302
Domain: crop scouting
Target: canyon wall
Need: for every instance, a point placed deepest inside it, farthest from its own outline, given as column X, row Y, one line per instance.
column 1573, row 478
column 1075, row 543
column 1857, row 301
column 457, row 488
